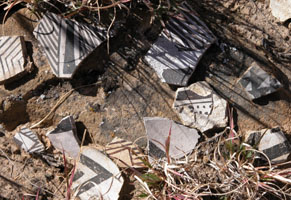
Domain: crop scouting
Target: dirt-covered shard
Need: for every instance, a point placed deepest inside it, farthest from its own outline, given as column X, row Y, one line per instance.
column 125, row 153
column 182, row 140
column 176, row 53
column 28, row 141
column 12, row 57
column 258, row 82
column 96, row 177
column 66, row 43
column 200, row 107
column 64, row 138
column 272, row 142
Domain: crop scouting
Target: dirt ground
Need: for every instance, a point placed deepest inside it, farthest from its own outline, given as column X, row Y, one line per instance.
column 130, row 90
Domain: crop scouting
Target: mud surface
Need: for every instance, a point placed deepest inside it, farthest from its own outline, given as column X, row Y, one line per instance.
column 127, row 89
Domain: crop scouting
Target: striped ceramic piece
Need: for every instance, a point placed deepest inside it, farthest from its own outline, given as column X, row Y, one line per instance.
column 176, row 53
column 66, row 42
column 12, row 53
column 28, row 141
column 124, row 153
column 272, row 142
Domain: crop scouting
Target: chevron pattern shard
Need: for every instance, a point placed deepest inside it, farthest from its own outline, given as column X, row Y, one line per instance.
column 66, row 43
column 258, row 82
column 28, row 141
column 12, row 56
column 176, row 53
column 96, row 177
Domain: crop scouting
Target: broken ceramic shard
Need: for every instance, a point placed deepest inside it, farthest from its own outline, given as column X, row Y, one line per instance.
column 66, row 43
column 64, row 138
column 28, row 141
column 12, row 57
column 96, row 176
column 176, row 53
column 182, row 140
column 281, row 9
column 124, row 153
column 272, row 142
column 258, row 82
column 198, row 106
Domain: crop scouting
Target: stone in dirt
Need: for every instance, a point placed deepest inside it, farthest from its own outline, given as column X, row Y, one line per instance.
column 198, row 106
column 66, row 43
column 12, row 57
column 64, row 138
column 2, row 131
column 96, row 176
column 176, row 53
column 258, row 82
column 28, row 141
column 281, row 9
column 272, row 142
column 125, row 153
column 182, row 140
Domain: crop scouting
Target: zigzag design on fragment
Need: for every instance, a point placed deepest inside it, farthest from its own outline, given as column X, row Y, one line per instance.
column 11, row 56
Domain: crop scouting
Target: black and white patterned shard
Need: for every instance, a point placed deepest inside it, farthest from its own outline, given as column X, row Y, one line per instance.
column 28, row 141
column 176, row 53
column 183, row 139
column 12, row 56
column 258, row 82
column 64, row 138
column 66, row 42
column 200, row 107
column 272, row 142
column 96, row 176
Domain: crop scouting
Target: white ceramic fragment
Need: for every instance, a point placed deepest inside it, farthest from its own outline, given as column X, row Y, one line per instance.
column 198, row 106
column 63, row 137
column 182, row 140
column 28, row 141
column 66, row 42
column 124, row 153
column 272, row 142
column 281, row 9
column 12, row 56
column 96, row 176
column 176, row 53
column 258, row 82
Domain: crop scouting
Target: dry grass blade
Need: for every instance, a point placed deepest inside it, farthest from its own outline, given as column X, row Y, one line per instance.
column 228, row 173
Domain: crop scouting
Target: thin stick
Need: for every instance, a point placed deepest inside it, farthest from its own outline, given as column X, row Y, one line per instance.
column 62, row 99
